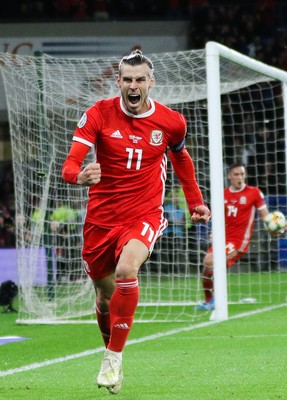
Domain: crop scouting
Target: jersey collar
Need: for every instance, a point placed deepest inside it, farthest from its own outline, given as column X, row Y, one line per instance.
column 237, row 191
column 144, row 115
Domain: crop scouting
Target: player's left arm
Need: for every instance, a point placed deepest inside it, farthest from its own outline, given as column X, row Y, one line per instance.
column 260, row 204
column 263, row 212
column 184, row 169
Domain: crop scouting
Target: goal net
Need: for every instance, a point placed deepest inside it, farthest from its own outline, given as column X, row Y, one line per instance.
column 46, row 97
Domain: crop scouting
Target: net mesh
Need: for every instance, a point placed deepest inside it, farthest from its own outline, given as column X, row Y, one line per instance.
column 46, row 97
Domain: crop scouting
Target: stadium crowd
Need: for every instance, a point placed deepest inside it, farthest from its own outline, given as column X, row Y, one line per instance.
column 7, row 227
column 7, row 207
column 255, row 27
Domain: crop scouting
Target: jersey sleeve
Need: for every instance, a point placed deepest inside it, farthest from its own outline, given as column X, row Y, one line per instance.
column 72, row 166
column 260, row 202
column 89, row 126
column 85, row 136
column 177, row 140
column 185, row 171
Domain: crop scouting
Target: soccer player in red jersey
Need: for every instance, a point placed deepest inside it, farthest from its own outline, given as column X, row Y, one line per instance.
column 131, row 135
column 240, row 202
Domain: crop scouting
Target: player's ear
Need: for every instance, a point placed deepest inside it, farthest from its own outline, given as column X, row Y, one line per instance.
column 152, row 82
column 118, row 80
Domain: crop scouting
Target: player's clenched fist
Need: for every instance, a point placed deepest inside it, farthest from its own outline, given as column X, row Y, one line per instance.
column 201, row 214
column 91, row 175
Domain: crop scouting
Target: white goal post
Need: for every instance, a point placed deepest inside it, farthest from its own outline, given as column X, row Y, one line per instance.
column 214, row 52
column 235, row 108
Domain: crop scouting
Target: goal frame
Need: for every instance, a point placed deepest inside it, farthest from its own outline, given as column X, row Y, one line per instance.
column 43, row 111
column 214, row 51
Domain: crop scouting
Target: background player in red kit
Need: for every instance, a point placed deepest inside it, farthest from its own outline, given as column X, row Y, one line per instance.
column 131, row 135
column 240, row 202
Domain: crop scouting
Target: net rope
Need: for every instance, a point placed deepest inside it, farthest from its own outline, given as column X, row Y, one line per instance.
column 46, row 97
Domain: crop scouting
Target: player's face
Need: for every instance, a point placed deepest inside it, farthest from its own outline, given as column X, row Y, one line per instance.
column 135, row 83
column 237, row 178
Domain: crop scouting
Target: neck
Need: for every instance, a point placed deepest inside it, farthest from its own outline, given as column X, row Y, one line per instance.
column 235, row 189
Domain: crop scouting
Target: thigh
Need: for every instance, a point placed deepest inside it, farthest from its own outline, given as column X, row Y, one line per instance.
column 136, row 243
column 103, row 247
column 133, row 255
column 99, row 251
column 231, row 251
column 146, row 230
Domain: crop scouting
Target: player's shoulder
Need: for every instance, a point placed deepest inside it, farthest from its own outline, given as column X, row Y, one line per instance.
column 253, row 189
column 167, row 112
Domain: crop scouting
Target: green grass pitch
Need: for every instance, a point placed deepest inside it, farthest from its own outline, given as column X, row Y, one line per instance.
column 244, row 358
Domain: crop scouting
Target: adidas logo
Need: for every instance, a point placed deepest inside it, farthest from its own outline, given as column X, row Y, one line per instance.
column 116, row 134
column 122, row 326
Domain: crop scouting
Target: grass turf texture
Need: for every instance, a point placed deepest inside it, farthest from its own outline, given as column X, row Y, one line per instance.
column 267, row 288
column 242, row 359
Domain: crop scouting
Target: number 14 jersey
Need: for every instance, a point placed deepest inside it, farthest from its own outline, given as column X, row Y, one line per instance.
column 240, row 207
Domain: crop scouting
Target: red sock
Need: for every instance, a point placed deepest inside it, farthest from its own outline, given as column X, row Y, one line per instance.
column 122, row 308
column 104, row 324
column 207, row 283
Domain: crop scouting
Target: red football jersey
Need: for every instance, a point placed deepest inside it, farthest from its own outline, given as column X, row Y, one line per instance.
column 131, row 150
column 240, row 208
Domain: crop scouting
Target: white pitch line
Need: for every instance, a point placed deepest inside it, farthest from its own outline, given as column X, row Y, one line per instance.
column 129, row 342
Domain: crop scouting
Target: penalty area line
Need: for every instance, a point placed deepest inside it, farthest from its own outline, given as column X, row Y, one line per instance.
column 130, row 342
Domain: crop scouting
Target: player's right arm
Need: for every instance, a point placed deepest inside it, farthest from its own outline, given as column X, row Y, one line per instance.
column 72, row 171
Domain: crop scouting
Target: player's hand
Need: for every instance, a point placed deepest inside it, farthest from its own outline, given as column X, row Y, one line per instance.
column 201, row 214
column 278, row 233
column 91, row 175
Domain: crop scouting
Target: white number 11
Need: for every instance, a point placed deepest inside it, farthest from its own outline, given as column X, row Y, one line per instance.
column 131, row 153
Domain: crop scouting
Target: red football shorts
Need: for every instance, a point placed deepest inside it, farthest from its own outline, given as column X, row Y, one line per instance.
column 102, row 247
column 232, row 253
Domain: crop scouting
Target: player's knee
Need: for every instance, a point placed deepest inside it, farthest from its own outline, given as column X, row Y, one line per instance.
column 126, row 270
column 208, row 261
column 102, row 303
column 130, row 262
column 104, row 291
column 207, row 272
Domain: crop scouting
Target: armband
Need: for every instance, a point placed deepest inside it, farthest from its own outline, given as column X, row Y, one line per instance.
column 177, row 147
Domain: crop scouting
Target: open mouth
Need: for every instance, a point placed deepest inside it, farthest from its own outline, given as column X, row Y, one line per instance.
column 134, row 98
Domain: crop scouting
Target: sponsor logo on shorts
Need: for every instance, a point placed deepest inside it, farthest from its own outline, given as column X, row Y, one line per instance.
column 86, row 266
